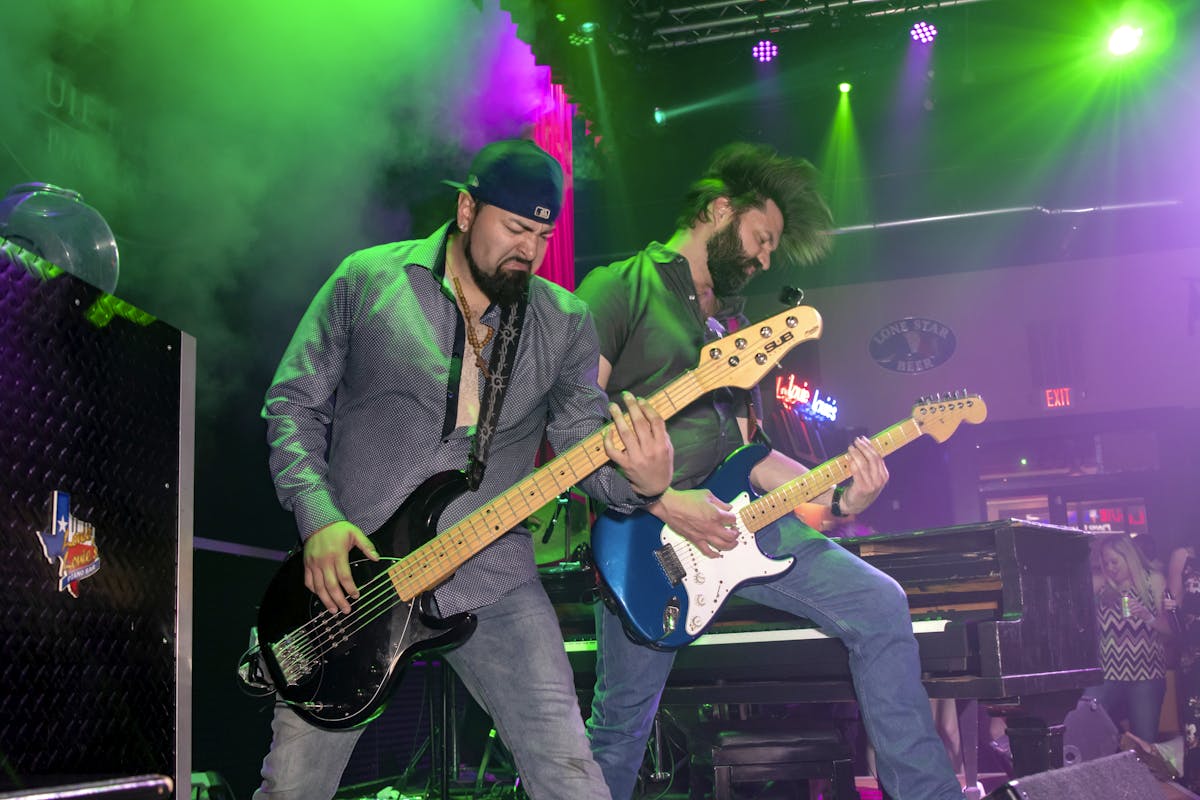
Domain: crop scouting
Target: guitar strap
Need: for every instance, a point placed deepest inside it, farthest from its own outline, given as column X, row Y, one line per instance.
column 504, row 353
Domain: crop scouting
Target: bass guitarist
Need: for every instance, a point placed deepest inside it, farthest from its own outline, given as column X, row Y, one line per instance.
column 652, row 312
column 382, row 387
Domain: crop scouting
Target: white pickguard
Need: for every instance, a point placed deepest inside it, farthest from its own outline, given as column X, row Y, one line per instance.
column 708, row 582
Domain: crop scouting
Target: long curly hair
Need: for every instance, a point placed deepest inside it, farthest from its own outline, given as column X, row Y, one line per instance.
column 749, row 175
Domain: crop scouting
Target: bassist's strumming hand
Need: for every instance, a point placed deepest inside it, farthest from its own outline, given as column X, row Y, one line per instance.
column 327, row 563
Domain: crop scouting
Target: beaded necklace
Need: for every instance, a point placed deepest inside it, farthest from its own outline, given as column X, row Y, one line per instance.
column 472, row 336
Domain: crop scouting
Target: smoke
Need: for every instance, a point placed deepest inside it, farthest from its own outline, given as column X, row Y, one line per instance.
column 239, row 150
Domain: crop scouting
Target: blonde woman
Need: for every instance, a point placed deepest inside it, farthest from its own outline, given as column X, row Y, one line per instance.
column 1131, row 621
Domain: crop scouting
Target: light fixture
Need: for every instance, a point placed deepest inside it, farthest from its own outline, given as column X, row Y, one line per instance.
column 923, row 32
column 765, row 51
column 1124, row 40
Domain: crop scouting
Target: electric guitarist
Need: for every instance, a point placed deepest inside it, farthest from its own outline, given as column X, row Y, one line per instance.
column 651, row 312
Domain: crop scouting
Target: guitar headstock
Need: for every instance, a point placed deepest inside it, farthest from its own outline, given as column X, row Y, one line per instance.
column 940, row 415
column 745, row 356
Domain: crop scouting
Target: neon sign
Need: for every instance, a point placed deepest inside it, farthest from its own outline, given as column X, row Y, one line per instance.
column 799, row 397
column 1058, row 398
column 791, row 394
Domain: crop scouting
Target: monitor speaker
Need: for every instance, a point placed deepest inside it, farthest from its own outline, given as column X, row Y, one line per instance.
column 1088, row 733
column 1116, row 777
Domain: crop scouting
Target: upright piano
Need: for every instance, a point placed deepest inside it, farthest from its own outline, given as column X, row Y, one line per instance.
column 1002, row 612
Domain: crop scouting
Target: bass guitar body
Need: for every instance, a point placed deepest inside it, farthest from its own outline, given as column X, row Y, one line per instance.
column 338, row 671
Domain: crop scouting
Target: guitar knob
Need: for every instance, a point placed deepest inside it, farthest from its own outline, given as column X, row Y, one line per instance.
column 740, row 343
column 714, row 353
column 792, row 322
column 765, row 331
column 760, row 358
column 734, row 361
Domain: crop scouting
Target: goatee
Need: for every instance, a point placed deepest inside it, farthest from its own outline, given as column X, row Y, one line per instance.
column 502, row 288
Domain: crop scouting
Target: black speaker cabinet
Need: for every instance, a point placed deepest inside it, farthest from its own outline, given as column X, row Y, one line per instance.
column 96, row 419
column 1116, row 777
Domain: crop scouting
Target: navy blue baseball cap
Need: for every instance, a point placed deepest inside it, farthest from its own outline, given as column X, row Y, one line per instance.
column 518, row 176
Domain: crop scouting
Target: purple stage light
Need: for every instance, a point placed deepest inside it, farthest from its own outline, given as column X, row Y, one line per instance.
column 765, row 51
column 923, row 32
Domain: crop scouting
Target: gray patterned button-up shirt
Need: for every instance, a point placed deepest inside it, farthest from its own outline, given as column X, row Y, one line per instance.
column 364, row 404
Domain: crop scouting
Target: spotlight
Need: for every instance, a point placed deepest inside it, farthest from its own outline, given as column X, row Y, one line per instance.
column 1124, row 40
column 765, row 51
column 660, row 116
column 844, row 88
column 923, row 32
column 584, row 35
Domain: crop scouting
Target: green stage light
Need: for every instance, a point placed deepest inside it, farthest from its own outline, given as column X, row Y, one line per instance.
column 844, row 88
column 1124, row 40
column 660, row 116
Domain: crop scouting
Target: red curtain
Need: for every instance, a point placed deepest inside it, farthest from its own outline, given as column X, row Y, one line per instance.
column 552, row 131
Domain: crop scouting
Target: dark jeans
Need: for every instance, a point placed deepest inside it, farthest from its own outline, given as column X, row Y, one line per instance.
column 1138, row 701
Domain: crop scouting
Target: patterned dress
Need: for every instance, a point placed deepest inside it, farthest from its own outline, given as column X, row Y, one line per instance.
column 1189, row 671
column 1130, row 649
column 1131, row 653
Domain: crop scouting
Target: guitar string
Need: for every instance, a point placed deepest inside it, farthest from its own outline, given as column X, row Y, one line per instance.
column 382, row 582
column 823, row 472
column 771, row 509
column 327, row 641
column 378, row 588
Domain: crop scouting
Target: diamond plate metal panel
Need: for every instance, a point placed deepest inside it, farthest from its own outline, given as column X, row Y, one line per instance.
column 90, row 408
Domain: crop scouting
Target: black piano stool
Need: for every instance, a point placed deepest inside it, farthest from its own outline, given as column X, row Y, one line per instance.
column 770, row 750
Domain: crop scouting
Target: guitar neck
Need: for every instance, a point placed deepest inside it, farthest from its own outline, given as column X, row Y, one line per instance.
column 435, row 561
column 783, row 500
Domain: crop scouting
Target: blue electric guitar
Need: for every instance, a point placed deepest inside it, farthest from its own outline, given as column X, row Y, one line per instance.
column 667, row 592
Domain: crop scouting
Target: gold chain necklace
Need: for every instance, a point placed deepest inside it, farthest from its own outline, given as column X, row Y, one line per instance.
column 472, row 337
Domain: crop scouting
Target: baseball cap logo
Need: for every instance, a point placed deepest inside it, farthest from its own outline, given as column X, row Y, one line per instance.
column 541, row 212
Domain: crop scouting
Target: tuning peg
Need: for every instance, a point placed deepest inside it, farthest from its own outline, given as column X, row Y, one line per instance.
column 791, row 296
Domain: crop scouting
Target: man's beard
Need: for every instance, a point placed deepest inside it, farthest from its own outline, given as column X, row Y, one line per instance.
column 728, row 265
column 502, row 288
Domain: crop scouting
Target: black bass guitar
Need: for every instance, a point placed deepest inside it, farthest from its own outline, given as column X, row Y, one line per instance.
column 667, row 592
column 338, row 670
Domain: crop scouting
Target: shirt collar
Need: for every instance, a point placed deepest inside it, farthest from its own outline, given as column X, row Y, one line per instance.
column 664, row 257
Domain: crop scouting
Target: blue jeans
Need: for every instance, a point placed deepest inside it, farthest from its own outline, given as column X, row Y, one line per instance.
column 516, row 667
column 1138, row 701
column 849, row 599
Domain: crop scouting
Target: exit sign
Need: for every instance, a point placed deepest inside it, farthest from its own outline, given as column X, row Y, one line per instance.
column 1058, row 398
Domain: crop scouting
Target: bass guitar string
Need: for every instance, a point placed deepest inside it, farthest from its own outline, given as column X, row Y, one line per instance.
column 380, row 585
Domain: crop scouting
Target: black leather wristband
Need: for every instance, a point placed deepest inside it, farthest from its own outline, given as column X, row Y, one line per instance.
column 835, row 505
